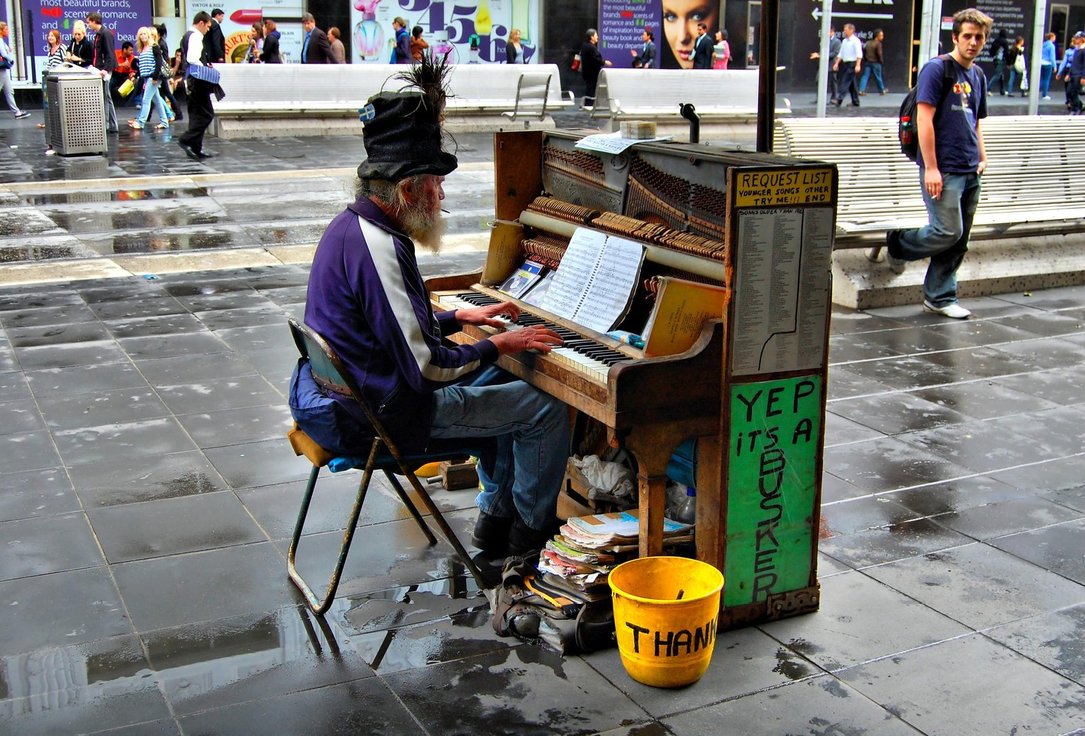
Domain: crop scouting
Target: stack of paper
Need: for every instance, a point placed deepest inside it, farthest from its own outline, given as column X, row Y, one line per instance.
column 576, row 562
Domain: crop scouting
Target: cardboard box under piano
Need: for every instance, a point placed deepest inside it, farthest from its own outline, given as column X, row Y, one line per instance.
column 749, row 388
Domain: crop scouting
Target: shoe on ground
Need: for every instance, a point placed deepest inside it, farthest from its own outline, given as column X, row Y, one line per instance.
column 1046, row 97
column 862, row 94
column 491, row 534
column 953, row 310
column 22, row 114
column 838, row 103
column 205, row 154
column 892, row 241
column 884, row 92
column 189, row 150
column 527, row 542
column 855, row 104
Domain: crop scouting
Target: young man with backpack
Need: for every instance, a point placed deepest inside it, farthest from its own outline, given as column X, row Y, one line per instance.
column 951, row 161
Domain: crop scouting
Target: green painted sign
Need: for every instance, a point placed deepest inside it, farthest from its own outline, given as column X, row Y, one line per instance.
column 771, row 488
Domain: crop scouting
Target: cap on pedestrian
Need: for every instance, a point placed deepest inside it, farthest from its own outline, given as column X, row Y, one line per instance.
column 402, row 130
column 1079, row 34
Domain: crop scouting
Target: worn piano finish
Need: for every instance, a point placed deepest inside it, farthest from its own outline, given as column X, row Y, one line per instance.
column 751, row 389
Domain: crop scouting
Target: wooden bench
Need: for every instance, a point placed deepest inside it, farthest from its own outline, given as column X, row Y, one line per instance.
column 724, row 99
column 1029, row 229
column 323, row 99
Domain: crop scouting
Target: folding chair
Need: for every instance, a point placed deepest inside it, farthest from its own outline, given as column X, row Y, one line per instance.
column 329, row 372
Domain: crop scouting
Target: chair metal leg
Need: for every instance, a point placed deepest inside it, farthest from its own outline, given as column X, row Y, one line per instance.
column 406, row 499
column 320, row 605
column 446, row 530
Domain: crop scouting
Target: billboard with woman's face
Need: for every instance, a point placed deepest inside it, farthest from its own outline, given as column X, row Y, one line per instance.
column 673, row 23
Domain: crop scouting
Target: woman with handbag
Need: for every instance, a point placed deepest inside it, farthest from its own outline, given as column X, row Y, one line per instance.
column 150, row 69
column 1015, row 58
column 165, row 88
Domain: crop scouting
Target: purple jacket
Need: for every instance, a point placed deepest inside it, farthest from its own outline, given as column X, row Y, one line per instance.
column 366, row 297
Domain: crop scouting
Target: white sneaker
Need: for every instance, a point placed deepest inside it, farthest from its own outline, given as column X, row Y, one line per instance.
column 953, row 311
column 1046, row 97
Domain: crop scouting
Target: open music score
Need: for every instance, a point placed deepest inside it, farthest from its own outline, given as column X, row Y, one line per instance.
column 596, row 281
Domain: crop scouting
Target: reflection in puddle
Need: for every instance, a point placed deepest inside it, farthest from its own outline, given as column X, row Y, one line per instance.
column 110, row 195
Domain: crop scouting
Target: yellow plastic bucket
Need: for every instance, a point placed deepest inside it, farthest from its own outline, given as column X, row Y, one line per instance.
column 665, row 613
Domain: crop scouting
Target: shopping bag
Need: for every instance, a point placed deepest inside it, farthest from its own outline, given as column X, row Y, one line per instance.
column 126, row 88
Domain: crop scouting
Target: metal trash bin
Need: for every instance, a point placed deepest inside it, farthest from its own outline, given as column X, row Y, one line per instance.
column 75, row 123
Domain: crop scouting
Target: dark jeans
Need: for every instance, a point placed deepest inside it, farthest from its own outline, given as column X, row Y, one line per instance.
column 200, row 113
column 1073, row 89
column 1001, row 76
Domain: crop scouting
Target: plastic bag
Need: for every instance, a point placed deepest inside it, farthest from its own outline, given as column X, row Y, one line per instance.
column 576, row 62
column 126, row 88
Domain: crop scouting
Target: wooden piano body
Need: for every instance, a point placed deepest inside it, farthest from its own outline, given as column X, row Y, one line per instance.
column 751, row 390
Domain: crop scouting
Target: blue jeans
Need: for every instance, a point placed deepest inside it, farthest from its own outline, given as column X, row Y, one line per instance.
column 945, row 238
column 150, row 94
column 531, row 433
column 1046, row 70
column 1017, row 80
column 872, row 67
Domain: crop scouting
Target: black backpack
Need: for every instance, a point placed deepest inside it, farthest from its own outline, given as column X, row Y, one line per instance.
column 907, row 133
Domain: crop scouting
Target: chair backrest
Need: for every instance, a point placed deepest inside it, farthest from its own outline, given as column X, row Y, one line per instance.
column 532, row 92
column 328, row 370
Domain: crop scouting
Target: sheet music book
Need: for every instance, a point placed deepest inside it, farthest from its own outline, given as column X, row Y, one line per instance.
column 595, row 283
column 680, row 312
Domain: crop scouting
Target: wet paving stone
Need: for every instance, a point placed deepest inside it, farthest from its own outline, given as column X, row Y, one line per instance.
column 1056, row 548
column 46, row 316
column 896, row 413
column 888, row 464
column 175, row 370
column 955, row 496
column 862, row 605
column 328, row 710
column 173, row 526
column 1053, row 639
column 1059, row 386
column 74, row 411
column 237, row 426
column 66, row 355
column 82, row 688
column 167, row 346
column 978, row 585
column 46, row 492
column 91, row 610
column 132, row 479
column 28, row 337
column 203, row 586
column 805, row 707
column 224, row 393
column 502, row 687
column 27, row 451
column 251, row 657
column 20, row 417
column 43, row 545
column 258, row 463
column 169, row 324
column 982, row 446
column 982, row 399
column 971, row 685
column 147, row 438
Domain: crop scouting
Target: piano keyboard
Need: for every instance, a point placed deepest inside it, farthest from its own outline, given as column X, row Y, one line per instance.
column 578, row 353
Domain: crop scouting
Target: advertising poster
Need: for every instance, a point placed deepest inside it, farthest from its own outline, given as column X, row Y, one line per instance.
column 672, row 22
column 124, row 17
column 241, row 14
column 446, row 26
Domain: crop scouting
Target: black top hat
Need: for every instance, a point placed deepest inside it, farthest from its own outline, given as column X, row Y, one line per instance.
column 402, row 133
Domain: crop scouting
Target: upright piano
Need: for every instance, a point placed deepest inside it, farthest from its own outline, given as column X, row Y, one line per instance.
column 750, row 390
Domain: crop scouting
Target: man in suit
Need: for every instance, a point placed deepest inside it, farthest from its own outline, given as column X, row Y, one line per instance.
column 315, row 49
column 201, row 111
column 214, row 43
column 105, row 61
column 647, row 56
column 702, row 48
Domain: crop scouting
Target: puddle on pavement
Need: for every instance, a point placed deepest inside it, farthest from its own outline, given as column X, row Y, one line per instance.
column 113, row 195
column 152, row 242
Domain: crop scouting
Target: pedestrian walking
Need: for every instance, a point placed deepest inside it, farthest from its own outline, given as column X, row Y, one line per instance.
column 847, row 66
column 105, row 61
column 952, row 159
column 872, row 63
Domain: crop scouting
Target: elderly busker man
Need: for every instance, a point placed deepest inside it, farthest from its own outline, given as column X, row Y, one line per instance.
column 367, row 299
